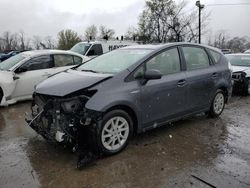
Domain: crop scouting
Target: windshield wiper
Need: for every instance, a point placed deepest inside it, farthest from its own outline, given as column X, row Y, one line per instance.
column 85, row 70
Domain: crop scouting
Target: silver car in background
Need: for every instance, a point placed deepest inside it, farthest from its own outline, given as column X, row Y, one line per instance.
column 240, row 65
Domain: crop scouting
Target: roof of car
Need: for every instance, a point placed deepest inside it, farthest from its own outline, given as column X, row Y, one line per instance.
column 160, row 46
column 43, row 52
column 238, row 54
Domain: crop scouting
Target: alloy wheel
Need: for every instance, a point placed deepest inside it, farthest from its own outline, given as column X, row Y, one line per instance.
column 219, row 102
column 115, row 133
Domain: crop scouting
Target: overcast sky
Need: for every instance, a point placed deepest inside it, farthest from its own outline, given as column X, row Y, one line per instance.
column 48, row 17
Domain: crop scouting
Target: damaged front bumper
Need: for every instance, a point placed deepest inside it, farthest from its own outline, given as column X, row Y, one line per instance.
column 62, row 120
column 239, row 81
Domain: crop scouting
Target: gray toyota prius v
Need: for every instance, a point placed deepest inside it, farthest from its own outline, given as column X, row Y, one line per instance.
column 130, row 90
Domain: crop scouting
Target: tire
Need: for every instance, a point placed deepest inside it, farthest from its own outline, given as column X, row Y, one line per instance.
column 218, row 104
column 1, row 95
column 247, row 87
column 114, row 133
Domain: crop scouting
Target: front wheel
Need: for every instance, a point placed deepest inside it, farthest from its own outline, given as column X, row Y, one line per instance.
column 116, row 129
column 218, row 104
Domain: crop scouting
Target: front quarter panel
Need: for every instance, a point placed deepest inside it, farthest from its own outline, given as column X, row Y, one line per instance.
column 7, row 84
column 114, row 93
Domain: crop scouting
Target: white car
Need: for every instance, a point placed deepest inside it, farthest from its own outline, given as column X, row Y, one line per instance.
column 20, row 73
column 247, row 51
column 240, row 66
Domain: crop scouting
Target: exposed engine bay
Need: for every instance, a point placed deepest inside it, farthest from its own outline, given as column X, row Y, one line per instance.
column 65, row 121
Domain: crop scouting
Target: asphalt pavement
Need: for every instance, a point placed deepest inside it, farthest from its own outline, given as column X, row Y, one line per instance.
column 196, row 152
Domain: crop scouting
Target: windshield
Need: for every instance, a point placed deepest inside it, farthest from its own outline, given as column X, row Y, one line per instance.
column 239, row 60
column 8, row 63
column 81, row 48
column 114, row 61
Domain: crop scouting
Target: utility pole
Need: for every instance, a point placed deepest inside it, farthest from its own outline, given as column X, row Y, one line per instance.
column 200, row 6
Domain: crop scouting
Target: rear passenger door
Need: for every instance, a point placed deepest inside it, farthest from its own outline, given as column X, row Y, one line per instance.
column 201, row 77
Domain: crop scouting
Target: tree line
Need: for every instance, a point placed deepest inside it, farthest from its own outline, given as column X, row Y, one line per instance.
column 64, row 41
column 160, row 21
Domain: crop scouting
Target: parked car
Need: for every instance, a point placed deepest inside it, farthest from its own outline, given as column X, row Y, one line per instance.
column 19, row 74
column 96, row 48
column 240, row 64
column 130, row 90
column 8, row 55
column 247, row 51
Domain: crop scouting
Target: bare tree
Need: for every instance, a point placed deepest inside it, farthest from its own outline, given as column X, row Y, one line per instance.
column 106, row 32
column 131, row 34
column 238, row 44
column 36, row 41
column 221, row 38
column 9, row 41
column 48, row 43
column 91, row 32
column 154, row 20
column 67, row 39
column 164, row 20
column 22, row 40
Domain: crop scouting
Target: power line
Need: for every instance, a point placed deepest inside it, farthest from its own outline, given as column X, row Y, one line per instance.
column 228, row 4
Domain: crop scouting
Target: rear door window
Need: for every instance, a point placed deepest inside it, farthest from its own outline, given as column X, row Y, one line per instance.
column 216, row 56
column 196, row 58
column 62, row 60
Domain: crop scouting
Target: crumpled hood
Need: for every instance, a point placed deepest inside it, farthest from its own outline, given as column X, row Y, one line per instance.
column 68, row 82
column 241, row 69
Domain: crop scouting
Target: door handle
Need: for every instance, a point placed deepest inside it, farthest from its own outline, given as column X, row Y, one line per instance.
column 16, row 77
column 181, row 83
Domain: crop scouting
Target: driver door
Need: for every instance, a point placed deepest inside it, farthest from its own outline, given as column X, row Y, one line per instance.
column 30, row 74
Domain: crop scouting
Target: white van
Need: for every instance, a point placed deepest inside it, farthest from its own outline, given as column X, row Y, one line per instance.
column 95, row 48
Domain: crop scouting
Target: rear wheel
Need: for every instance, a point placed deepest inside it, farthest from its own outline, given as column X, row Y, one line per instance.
column 247, row 87
column 1, row 94
column 218, row 104
column 116, row 129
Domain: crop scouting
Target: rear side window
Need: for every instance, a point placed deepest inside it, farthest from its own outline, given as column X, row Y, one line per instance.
column 77, row 60
column 37, row 63
column 216, row 56
column 196, row 58
column 167, row 62
column 62, row 60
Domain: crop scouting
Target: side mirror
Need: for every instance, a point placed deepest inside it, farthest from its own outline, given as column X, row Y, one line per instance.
column 21, row 69
column 152, row 75
column 149, row 75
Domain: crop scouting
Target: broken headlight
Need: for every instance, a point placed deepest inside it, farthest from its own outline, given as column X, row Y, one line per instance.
column 239, row 76
column 71, row 106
